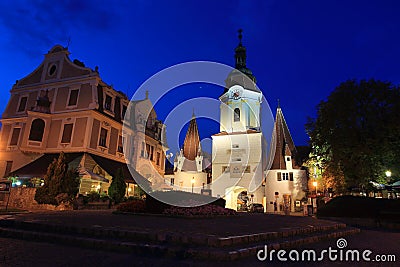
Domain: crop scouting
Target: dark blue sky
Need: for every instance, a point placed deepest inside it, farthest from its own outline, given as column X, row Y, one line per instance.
column 298, row 50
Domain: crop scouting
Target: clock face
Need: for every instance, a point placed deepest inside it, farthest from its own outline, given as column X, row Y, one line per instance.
column 236, row 93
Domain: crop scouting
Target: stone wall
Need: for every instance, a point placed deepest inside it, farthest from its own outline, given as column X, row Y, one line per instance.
column 24, row 198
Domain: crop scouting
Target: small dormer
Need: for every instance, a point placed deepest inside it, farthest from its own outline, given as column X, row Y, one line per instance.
column 288, row 158
column 288, row 162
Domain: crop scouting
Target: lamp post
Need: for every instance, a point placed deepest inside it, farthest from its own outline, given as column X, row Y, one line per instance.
column 315, row 183
column 192, row 184
column 388, row 174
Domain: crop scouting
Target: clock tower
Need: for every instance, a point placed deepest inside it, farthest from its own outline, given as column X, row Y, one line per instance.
column 240, row 102
column 239, row 148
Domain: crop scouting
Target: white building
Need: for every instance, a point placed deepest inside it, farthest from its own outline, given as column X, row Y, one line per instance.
column 239, row 149
column 285, row 182
column 239, row 170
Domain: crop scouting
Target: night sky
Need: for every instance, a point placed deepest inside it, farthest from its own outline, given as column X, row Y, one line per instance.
column 299, row 51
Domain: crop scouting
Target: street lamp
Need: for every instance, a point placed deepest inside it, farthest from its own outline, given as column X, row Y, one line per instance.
column 315, row 184
column 192, row 184
column 388, row 174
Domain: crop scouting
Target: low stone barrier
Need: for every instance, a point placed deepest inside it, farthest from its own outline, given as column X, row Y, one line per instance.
column 24, row 198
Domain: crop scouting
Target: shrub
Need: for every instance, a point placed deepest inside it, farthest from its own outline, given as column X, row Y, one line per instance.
column 186, row 199
column 117, row 188
column 93, row 196
column 358, row 207
column 137, row 206
column 205, row 210
column 104, row 198
column 60, row 183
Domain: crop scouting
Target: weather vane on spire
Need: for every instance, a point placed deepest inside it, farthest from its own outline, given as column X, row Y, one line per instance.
column 240, row 36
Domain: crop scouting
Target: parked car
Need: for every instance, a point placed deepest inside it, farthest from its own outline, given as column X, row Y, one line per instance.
column 256, row 207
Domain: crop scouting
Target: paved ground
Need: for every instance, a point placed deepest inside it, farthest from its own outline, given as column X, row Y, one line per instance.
column 22, row 253
column 244, row 223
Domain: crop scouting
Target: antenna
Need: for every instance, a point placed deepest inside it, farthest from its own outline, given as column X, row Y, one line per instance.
column 68, row 41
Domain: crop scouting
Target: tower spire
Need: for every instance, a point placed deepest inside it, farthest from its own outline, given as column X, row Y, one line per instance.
column 191, row 144
column 240, row 53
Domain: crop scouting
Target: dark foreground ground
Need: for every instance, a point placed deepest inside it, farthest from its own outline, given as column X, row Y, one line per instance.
column 244, row 223
column 15, row 252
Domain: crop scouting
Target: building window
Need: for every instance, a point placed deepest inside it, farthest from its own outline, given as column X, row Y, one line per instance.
column 172, row 181
column 103, row 137
column 150, row 152
column 149, row 122
column 290, row 176
column 73, row 97
column 225, row 168
column 285, row 176
column 287, row 158
column 236, row 115
column 22, row 104
column 37, row 130
column 123, row 111
column 8, row 168
column 158, row 158
column 120, row 148
column 235, row 146
column 52, row 70
column 67, row 133
column 107, row 103
column 278, row 176
column 15, row 136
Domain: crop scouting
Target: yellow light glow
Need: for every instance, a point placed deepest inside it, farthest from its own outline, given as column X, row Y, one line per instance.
column 388, row 173
column 315, row 183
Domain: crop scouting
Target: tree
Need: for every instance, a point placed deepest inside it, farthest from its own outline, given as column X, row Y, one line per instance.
column 60, row 183
column 356, row 135
column 117, row 187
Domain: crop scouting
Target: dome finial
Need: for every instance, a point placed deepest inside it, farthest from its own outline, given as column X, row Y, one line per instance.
column 240, row 36
column 279, row 103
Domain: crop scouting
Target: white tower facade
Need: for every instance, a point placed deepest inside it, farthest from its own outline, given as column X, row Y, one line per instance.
column 238, row 153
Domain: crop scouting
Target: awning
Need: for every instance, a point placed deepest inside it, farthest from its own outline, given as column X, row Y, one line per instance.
column 38, row 167
column 396, row 185
column 112, row 166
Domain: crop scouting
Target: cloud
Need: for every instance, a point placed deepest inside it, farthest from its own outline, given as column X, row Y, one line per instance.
column 34, row 26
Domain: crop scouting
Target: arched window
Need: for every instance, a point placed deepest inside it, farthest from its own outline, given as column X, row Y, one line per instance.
column 236, row 115
column 37, row 130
